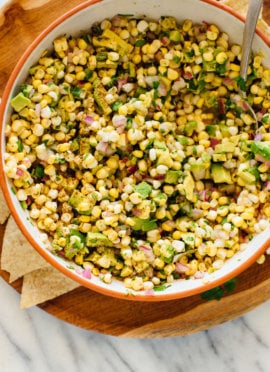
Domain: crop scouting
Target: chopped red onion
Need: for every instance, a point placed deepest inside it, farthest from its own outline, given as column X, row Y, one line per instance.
column 181, row 268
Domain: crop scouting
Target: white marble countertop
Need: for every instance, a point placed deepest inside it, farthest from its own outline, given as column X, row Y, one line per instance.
column 31, row 341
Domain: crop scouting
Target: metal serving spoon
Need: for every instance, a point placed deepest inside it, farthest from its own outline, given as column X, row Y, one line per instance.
column 254, row 8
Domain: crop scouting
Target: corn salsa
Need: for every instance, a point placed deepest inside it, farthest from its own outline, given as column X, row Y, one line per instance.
column 135, row 154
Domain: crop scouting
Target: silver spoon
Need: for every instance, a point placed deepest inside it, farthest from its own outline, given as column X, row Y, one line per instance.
column 254, row 8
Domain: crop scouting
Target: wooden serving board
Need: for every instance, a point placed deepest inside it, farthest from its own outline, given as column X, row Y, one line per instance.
column 20, row 23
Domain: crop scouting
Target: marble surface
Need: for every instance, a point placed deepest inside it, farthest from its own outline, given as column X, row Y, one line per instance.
column 31, row 341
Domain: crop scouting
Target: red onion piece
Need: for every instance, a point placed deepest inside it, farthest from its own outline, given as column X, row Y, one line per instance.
column 181, row 268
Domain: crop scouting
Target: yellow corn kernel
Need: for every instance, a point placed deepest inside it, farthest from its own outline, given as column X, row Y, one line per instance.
column 142, row 165
column 137, row 153
column 103, row 173
column 208, row 56
column 168, row 226
column 172, row 74
column 82, row 44
column 221, row 57
column 84, row 218
column 177, row 235
column 187, row 25
column 257, row 61
column 234, row 67
column 114, row 193
column 258, row 100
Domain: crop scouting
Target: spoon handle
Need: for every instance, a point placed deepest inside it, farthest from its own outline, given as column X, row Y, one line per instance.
column 253, row 12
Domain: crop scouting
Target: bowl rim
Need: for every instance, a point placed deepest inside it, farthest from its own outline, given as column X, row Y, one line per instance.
column 46, row 254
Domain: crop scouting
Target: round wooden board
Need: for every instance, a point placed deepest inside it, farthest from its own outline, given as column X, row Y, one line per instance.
column 21, row 23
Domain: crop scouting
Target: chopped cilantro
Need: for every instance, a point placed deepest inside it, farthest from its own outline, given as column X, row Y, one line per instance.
column 176, row 59
column 230, row 285
column 20, row 145
column 139, row 43
column 38, row 171
column 218, row 292
column 76, row 92
column 241, row 83
column 155, row 84
column 116, row 105
column 160, row 288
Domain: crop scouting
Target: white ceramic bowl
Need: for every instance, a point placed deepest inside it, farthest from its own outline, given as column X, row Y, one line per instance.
column 71, row 23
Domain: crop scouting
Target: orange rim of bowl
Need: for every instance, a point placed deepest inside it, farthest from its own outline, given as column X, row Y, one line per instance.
column 46, row 254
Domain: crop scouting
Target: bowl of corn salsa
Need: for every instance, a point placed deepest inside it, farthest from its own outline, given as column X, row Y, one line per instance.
column 129, row 159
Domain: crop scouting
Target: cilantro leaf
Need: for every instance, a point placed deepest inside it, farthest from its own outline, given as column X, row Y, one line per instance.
column 241, row 83
column 160, row 288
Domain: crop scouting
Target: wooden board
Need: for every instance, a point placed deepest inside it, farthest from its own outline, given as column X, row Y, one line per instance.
column 23, row 21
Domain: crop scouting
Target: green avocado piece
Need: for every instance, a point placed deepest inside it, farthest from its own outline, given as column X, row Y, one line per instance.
column 224, row 147
column 190, row 127
column 198, row 170
column 224, row 130
column 220, row 174
column 80, row 203
column 248, row 174
column 172, row 176
column 261, row 148
column 96, row 239
column 99, row 97
column 144, row 189
column 175, row 36
column 143, row 225
column 19, row 102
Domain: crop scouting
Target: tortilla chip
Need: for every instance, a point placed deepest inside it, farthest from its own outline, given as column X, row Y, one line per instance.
column 241, row 7
column 3, row 208
column 18, row 256
column 43, row 285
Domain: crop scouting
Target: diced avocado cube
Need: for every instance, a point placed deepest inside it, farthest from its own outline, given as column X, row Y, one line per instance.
column 80, row 203
column 224, row 147
column 175, row 36
column 84, row 145
column 99, row 97
column 248, row 174
column 219, row 157
column 164, row 158
column 220, row 174
column 247, row 177
column 190, row 127
column 199, row 170
column 96, row 239
column 172, row 176
column 144, row 189
column 144, row 225
column 19, row 102
column 122, row 46
column 189, row 186
column 261, row 148
column 224, row 130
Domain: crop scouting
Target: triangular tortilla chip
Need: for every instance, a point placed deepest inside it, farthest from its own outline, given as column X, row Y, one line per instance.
column 43, row 285
column 18, row 256
column 4, row 211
